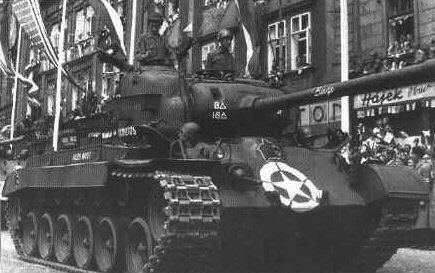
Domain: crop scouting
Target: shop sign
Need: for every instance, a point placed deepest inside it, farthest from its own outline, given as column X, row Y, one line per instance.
column 395, row 96
column 320, row 113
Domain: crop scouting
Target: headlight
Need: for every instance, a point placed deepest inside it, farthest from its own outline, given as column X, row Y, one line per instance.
column 220, row 153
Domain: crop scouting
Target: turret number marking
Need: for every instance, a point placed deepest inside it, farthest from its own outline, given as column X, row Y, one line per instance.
column 219, row 112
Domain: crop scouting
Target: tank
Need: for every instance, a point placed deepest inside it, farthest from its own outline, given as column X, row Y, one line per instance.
column 208, row 174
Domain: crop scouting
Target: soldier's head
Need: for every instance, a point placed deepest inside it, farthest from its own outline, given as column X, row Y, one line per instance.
column 189, row 132
column 224, row 38
column 155, row 20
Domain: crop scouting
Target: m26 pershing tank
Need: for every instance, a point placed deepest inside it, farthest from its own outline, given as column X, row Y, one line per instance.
column 203, row 175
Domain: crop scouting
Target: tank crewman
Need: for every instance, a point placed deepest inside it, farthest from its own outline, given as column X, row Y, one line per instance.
column 152, row 48
column 222, row 58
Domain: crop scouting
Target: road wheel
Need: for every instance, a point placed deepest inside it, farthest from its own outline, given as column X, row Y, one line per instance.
column 30, row 231
column 107, row 245
column 63, row 239
column 45, row 237
column 83, row 242
column 138, row 245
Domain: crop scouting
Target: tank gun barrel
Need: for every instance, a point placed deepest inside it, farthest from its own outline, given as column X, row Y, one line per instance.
column 408, row 75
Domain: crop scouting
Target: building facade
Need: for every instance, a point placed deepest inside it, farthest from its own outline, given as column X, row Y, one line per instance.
column 88, row 73
column 299, row 38
column 302, row 39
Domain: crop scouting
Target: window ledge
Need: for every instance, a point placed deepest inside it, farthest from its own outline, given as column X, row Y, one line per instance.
column 297, row 73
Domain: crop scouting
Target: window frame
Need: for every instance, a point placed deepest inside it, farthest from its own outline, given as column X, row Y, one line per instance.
column 83, row 24
column 400, row 15
column 294, row 48
column 271, row 48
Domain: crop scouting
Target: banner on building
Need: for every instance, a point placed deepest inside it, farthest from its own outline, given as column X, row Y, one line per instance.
column 29, row 16
column 395, row 96
column 320, row 113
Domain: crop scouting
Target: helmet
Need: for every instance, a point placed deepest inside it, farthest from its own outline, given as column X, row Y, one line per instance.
column 155, row 14
column 189, row 131
column 224, row 33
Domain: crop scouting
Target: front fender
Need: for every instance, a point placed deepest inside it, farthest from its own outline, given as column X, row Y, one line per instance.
column 379, row 182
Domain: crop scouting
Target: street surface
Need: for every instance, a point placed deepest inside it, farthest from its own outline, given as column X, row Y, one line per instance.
column 405, row 261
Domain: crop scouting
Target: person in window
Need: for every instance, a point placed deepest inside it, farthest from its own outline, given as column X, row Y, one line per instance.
column 408, row 45
column 374, row 65
column 222, row 59
column 420, row 55
column 151, row 47
column 394, row 49
column 425, row 167
column 393, row 53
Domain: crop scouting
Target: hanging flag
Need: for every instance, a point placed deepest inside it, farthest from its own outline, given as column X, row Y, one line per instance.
column 5, row 65
column 106, row 14
column 231, row 17
column 249, row 21
column 7, row 69
column 178, row 40
column 29, row 16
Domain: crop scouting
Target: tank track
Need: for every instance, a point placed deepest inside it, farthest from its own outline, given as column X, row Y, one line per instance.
column 190, row 233
column 190, row 236
column 394, row 230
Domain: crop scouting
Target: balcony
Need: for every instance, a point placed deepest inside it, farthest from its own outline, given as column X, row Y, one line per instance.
column 80, row 49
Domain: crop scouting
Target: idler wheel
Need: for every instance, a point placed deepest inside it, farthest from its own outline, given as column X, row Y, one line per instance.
column 63, row 239
column 30, row 234
column 45, row 236
column 107, row 245
column 156, row 214
column 83, row 242
column 138, row 245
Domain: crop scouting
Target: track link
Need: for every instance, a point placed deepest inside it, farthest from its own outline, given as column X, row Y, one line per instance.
column 190, row 234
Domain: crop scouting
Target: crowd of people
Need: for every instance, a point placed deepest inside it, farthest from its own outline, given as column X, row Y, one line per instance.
column 382, row 145
column 400, row 53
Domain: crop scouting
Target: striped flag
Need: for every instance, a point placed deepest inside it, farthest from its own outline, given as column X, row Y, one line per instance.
column 245, row 13
column 29, row 16
column 8, row 70
column 110, row 17
column 5, row 65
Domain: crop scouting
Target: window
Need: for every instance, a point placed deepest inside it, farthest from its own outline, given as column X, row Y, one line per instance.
column 401, row 20
column 54, row 35
column 206, row 49
column 109, row 80
column 74, row 98
column 276, row 57
column 50, row 105
column 219, row 3
column 173, row 8
column 84, row 24
column 300, row 37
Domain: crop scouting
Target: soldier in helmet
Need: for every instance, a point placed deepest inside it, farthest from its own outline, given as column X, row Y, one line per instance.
column 222, row 59
column 152, row 48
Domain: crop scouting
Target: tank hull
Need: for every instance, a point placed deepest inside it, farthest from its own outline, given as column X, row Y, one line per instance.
column 221, row 230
